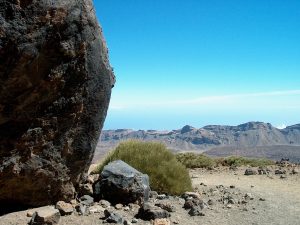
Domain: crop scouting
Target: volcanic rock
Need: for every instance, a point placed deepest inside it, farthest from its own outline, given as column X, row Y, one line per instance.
column 55, row 86
column 250, row 171
column 121, row 183
column 45, row 216
column 112, row 217
column 150, row 212
column 64, row 208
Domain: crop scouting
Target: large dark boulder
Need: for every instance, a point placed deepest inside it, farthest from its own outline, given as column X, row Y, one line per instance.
column 121, row 183
column 55, row 86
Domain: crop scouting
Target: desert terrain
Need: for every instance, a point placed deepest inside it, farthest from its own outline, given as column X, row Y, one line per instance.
column 229, row 197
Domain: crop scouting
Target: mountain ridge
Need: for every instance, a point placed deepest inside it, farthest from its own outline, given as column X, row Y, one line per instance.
column 212, row 139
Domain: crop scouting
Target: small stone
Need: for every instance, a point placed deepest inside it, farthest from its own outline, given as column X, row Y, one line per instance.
column 250, row 172
column 153, row 194
column 191, row 195
column 150, row 212
column 231, row 200
column 118, row 206
column 127, row 222
column 73, row 202
column 280, row 171
column 283, row 176
column 161, row 197
column 134, row 220
column 196, row 211
column 210, row 202
column 91, row 179
column 229, row 206
column 86, row 200
column 193, row 202
column 249, row 196
column 232, row 186
column 126, row 208
column 295, row 171
column 96, row 209
column 112, row 217
column 175, row 221
column 29, row 214
column 166, row 206
column 86, row 189
column 262, row 170
column 104, row 203
column 82, row 209
column 161, row 222
column 262, row 199
column 45, row 216
column 64, row 208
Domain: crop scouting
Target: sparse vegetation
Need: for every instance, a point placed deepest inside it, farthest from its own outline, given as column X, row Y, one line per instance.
column 243, row 161
column 166, row 174
column 193, row 160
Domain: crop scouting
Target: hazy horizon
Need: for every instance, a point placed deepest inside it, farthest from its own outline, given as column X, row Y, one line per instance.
column 202, row 62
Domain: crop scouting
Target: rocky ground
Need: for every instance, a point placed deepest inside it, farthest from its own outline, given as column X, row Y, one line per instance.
column 227, row 196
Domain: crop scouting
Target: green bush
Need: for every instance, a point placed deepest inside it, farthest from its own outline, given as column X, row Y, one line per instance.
column 243, row 161
column 166, row 174
column 193, row 160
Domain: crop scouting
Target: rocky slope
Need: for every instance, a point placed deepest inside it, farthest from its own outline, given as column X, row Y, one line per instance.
column 249, row 139
column 55, row 86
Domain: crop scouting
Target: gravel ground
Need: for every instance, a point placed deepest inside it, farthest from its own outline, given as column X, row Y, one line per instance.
column 272, row 200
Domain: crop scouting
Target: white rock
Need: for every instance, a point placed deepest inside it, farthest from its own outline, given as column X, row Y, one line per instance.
column 46, row 215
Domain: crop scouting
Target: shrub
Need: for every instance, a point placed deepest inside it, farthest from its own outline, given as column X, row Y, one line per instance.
column 193, row 160
column 166, row 174
column 243, row 161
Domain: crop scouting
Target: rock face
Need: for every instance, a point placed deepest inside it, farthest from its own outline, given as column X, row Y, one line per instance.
column 121, row 183
column 55, row 86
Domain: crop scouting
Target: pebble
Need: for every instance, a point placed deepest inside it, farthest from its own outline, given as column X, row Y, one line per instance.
column 127, row 222
column 118, row 206
column 29, row 214
column 134, row 220
column 46, row 215
column 210, row 202
column 161, row 197
column 64, row 208
column 161, row 222
column 96, row 209
column 229, row 206
column 86, row 200
column 104, row 203
column 249, row 196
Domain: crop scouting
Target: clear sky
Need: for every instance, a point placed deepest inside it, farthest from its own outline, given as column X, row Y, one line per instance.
column 201, row 62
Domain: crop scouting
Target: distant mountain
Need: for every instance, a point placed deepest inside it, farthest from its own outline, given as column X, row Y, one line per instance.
column 253, row 139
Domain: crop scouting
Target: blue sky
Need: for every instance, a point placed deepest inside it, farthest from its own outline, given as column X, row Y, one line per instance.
column 202, row 62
